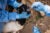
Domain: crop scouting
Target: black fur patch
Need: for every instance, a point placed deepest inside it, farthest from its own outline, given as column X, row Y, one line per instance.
column 23, row 8
column 21, row 21
column 10, row 8
column 19, row 10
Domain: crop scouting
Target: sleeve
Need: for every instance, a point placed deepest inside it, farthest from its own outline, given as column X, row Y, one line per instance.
column 3, row 4
column 3, row 16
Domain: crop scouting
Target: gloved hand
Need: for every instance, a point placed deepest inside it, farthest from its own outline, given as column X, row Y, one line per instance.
column 3, row 16
column 14, row 3
column 6, row 16
column 38, row 6
column 47, row 10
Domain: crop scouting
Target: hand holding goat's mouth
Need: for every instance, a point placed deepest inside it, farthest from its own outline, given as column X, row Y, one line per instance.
column 12, row 27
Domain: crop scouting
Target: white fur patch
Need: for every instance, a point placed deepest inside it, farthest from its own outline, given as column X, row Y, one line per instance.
column 12, row 27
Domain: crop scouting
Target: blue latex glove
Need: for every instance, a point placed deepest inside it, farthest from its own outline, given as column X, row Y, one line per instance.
column 12, row 15
column 23, row 15
column 14, row 3
column 7, row 16
column 38, row 6
column 3, row 16
column 36, row 29
column 47, row 10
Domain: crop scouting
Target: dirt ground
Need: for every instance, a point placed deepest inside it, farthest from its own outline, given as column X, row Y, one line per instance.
column 43, row 23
